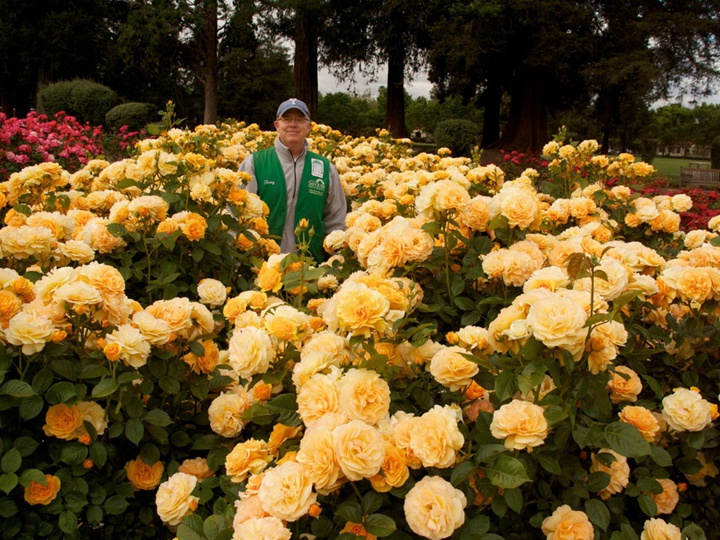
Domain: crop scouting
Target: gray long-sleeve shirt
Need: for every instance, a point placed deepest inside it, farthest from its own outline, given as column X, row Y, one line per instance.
column 335, row 207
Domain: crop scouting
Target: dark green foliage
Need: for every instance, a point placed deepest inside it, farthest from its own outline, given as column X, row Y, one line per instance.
column 457, row 134
column 84, row 99
column 715, row 153
column 135, row 115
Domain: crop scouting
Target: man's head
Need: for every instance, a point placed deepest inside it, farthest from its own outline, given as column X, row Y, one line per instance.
column 293, row 104
column 293, row 123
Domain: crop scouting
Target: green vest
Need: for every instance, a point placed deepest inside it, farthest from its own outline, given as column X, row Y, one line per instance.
column 311, row 196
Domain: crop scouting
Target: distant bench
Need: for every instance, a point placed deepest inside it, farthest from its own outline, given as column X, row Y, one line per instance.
column 699, row 175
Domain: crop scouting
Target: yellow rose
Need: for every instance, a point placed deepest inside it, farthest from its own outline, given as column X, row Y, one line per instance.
column 520, row 208
column 205, row 363
column 63, row 421
column 394, row 469
column 434, row 509
column 270, row 276
column 668, row 499
column 133, row 348
column 10, row 306
column 26, row 241
column 29, row 331
column 286, row 492
column 37, row 493
column 262, row 528
column 619, row 472
column 359, row 449
column 624, row 385
column 567, row 524
column 142, row 475
column 198, row 467
column 225, row 412
column 435, row 437
column 363, row 395
column 557, row 322
column 212, row 292
column 657, row 529
column 174, row 499
column 317, row 456
column 450, row 368
column 248, row 457
column 360, row 309
column 643, row 419
column 195, row 226
column 521, row 423
column 695, row 284
column 251, row 352
column 94, row 414
column 358, row 530
column 279, row 435
column 686, row 410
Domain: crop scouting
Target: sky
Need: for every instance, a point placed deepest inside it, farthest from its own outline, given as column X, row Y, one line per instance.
column 419, row 87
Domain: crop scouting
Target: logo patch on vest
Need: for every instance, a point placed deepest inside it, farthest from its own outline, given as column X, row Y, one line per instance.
column 316, row 186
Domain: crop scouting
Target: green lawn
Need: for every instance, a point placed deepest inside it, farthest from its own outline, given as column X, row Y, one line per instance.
column 670, row 166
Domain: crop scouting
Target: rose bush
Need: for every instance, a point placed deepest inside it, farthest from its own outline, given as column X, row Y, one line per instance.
column 481, row 356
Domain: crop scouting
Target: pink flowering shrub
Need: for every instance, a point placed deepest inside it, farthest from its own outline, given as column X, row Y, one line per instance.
column 37, row 139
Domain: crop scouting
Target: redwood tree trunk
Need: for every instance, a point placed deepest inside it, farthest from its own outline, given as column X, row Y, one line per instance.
column 210, row 41
column 526, row 130
column 492, row 98
column 306, row 58
column 395, row 111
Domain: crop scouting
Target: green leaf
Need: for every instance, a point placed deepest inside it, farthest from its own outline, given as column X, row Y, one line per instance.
column 475, row 528
column 647, row 505
column 8, row 482
column 549, row 463
column 150, row 453
column 60, row 393
column 98, row 453
column 514, row 499
column 18, row 389
column 349, row 511
column 506, row 472
column 461, row 472
column 693, row 532
column 74, row 453
column 8, row 508
column 597, row 481
column 42, row 380
column 31, row 407
column 371, row 502
column 213, row 526
column 26, row 445
column 598, row 513
column 115, row 505
column 94, row 515
column 134, row 430
column 626, row 440
column 11, row 461
column 206, row 442
column 105, row 388
column 32, row 475
column 68, row 522
column 158, row 417
column 661, row 456
column 379, row 525
column 505, row 385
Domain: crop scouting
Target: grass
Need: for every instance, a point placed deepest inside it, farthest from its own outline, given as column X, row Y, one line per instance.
column 669, row 167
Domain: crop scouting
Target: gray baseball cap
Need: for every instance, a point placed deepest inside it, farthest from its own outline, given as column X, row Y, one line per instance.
column 293, row 103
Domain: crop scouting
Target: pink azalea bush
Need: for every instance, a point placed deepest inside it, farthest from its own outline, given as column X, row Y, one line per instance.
column 37, row 139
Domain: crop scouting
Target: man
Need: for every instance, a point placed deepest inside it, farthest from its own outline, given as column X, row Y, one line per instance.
column 296, row 183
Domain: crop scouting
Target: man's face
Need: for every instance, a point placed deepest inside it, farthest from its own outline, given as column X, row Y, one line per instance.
column 292, row 127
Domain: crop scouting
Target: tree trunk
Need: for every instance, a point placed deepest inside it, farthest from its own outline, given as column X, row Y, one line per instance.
column 395, row 110
column 492, row 98
column 526, row 130
column 306, row 58
column 210, row 41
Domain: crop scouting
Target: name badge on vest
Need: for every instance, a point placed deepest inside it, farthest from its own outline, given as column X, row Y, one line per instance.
column 317, row 167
